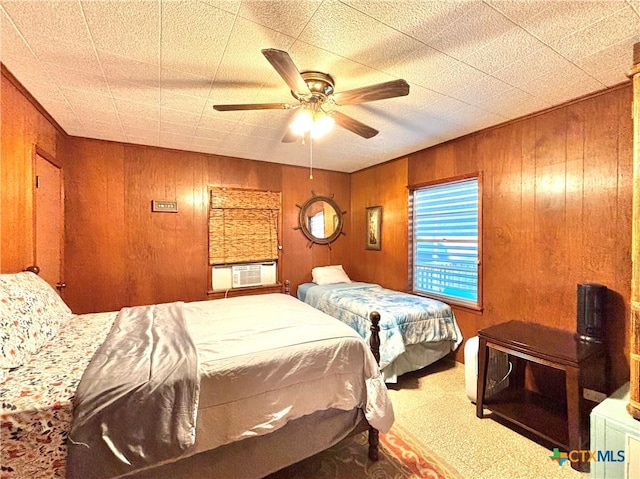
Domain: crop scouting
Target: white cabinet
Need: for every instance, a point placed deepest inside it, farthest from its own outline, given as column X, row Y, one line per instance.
column 615, row 438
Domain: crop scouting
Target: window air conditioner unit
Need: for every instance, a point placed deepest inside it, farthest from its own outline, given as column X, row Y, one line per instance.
column 243, row 275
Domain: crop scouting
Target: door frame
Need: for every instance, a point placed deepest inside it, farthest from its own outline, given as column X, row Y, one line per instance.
column 38, row 151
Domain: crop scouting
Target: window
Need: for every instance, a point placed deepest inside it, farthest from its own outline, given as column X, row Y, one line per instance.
column 243, row 225
column 445, row 232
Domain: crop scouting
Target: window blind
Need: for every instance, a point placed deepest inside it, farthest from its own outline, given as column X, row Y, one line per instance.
column 243, row 225
column 445, row 240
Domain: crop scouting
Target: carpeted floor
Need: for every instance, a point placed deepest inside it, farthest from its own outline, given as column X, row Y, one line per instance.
column 433, row 406
column 401, row 457
column 435, row 416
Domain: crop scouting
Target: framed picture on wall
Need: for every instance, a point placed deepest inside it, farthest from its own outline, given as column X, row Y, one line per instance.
column 374, row 228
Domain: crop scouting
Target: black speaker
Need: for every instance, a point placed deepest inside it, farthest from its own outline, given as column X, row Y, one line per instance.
column 591, row 309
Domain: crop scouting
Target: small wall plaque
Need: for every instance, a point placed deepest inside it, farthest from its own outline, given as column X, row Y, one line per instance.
column 160, row 206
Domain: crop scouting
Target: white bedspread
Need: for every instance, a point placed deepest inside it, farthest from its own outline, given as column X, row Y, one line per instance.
column 269, row 359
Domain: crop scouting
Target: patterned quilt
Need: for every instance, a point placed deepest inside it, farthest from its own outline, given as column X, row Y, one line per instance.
column 37, row 406
column 405, row 319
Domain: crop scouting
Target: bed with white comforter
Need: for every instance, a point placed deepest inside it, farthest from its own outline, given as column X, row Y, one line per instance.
column 266, row 365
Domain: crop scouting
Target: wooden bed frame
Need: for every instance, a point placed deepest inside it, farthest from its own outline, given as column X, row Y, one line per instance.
column 374, row 344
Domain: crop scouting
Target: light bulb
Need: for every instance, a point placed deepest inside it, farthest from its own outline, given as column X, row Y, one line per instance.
column 322, row 126
column 302, row 123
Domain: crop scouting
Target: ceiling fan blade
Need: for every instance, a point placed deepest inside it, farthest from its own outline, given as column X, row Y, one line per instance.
column 379, row 91
column 253, row 106
column 353, row 125
column 283, row 64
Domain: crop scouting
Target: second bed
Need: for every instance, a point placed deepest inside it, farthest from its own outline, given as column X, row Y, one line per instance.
column 414, row 331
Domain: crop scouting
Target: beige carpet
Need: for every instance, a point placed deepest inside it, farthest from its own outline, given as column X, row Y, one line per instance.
column 432, row 409
column 402, row 456
column 433, row 406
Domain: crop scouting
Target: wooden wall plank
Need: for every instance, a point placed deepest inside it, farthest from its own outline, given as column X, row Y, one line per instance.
column 556, row 211
column 299, row 256
column 384, row 186
column 24, row 128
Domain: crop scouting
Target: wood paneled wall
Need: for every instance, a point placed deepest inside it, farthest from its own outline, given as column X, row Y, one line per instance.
column 119, row 253
column 386, row 186
column 556, row 212
column 24, row 128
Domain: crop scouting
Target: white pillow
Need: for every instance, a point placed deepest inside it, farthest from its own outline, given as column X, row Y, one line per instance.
column 329, row 275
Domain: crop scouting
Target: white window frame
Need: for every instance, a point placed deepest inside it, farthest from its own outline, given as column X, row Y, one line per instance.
column 415, row 269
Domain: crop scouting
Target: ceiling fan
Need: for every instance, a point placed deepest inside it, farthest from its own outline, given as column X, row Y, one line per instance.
column 314, row 91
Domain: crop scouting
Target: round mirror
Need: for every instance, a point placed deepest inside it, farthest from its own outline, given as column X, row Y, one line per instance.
column 321, row 220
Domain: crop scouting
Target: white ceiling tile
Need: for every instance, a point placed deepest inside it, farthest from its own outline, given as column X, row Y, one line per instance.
column 552, row 21
column 185, row 118
column 422, row 65
column 178, row 142
column 513, row 103
column 454, row 79
column 210, row 125
column 422, row 20
column 209, row 142
column 176, row 129
column 345, row 31
column 91, row 105
column 135, row 92
column 620, row 26
column 185, row 83
column 13, row 43
column 507, row 48
column 128, row 28
column 193, row 37
column 137, row 126
column 77, row 79
column 104, row 134
column 284, row 16
column 170, row 99
column 32, row 75
column 118, row 68
column 64, row 20
column 605, row 64
column 150, row 72
column 134, row 109
column 544, row 86
column 473, row 114
column 562, row 86
column 477, row 92
column 542, row 62
column 480, row 25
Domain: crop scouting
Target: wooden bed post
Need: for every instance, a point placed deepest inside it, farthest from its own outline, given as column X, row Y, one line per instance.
column 634, row 400
column 374, row 343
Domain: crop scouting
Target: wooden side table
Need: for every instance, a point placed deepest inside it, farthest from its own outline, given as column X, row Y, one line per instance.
column 562, row 422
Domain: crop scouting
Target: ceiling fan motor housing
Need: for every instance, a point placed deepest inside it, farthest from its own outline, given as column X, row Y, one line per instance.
column 320, row 84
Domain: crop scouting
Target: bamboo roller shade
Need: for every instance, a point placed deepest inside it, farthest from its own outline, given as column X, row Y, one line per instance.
column 243, row 225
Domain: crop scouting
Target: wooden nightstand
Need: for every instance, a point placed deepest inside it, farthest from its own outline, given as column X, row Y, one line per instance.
column 561, row 418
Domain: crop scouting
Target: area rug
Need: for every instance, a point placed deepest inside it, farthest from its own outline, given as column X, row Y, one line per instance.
column 402, row 456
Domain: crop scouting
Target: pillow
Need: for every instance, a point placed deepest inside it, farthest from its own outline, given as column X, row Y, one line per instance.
column 31, row 313
column 329, row 275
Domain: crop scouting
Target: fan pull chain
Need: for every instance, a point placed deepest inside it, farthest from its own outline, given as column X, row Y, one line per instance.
column 310, row 157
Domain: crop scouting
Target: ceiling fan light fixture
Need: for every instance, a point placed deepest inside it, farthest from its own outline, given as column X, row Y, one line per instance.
column 322, row 125
column 317, row 124
column 303, row 122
